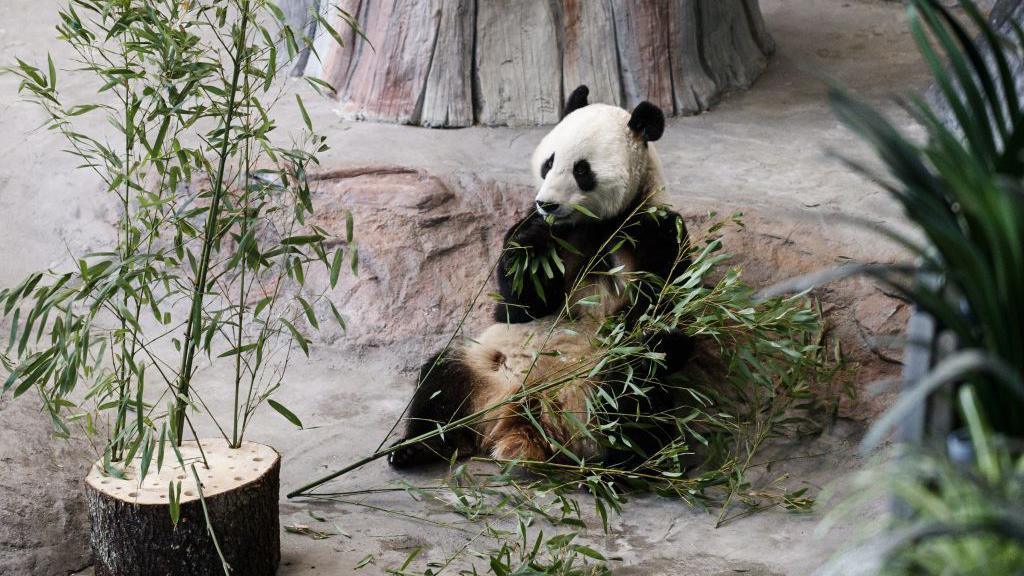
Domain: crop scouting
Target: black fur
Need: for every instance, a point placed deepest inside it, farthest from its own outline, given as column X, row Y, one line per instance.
column 648, row 121
column 534, row 235
column 576, row 100
column 445, row 385
column 658, row 237
column 546, row 166
column 655, row 240
column 646, row 435
column 584, row 176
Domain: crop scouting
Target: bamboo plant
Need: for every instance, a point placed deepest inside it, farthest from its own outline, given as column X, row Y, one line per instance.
column 214, row 224
column 962, row 188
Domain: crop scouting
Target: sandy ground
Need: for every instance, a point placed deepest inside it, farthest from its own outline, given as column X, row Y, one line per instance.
column 762, row 150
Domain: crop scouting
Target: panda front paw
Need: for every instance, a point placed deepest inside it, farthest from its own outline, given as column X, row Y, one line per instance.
column 532, row 232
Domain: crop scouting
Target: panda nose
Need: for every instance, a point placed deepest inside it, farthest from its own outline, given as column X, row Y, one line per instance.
column 547, row 207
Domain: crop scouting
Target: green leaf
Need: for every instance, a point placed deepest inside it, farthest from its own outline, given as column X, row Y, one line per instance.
column 288, row 414
column 278, row 13
column 337, row 316
column 300, row 240
column 297, row 336
column 336, row 266
column 310, row 314
column 368, row 559
column 52, row 70
column 237, row 350
column 583, row 210
column 174, row 501
column 158, row 144
column 305, row 115
column 589, row 552
column 560, row 541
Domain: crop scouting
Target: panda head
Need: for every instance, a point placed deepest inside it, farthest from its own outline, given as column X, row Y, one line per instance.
column 597, row 158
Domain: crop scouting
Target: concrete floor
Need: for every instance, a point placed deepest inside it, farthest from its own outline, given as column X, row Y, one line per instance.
column 762, row 150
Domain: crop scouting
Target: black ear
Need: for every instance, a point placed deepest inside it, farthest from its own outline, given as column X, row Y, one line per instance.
column 577, row 100
column 648, row 121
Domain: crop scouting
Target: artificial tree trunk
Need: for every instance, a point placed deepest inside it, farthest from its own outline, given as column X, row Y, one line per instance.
column 450, row 63
column 1005, row 15
column 132, row 533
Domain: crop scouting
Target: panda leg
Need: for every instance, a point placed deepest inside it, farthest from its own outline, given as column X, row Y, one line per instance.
column 514, row 437
column 442, row 396
column 638, row 416
column 677, row 348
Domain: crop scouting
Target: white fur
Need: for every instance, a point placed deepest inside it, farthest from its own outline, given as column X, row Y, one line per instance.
column 622, row 164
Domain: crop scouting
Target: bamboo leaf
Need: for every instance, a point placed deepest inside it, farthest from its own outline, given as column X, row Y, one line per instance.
column 288, row 414
column 305, row 114
column 310, row 314
column 336, row 266
column 297, row 336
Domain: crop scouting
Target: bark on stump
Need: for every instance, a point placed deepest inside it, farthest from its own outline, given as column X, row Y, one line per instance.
column 450, row 63
column 132, row 533
column 1005, row 15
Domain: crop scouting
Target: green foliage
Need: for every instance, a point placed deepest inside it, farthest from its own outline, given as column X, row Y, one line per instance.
column 767, row 383
column 555, row 556
column 769, row 380
column 962, row 518
column 961, row 186
column 214, row 231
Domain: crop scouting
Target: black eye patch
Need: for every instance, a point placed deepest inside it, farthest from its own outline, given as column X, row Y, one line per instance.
column 546, row 166
column 584, row 175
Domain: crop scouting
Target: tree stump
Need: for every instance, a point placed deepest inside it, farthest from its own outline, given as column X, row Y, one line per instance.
column 1005, row 15
column 132, row 532
column 451, row 63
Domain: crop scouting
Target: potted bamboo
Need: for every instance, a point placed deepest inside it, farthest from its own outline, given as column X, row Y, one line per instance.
column 213, row 244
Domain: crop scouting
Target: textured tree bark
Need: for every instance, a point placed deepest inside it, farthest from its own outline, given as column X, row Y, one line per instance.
column 132, row 533
column 451, row 63
column 1005, row 15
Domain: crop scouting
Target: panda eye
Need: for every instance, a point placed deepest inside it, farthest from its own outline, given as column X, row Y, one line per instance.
column 546, row 166
column 584, row 175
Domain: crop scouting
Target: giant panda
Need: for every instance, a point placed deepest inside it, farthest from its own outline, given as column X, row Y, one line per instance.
column 600, row 186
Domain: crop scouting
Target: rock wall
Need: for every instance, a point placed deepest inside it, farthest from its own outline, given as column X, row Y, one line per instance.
column 428, row 244
column 44, row 527
column 426, row 247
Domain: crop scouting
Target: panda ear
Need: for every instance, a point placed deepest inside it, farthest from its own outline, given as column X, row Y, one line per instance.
column 648, row 121
column 577, row 100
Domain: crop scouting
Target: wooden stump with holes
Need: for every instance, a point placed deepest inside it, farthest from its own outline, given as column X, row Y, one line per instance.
column 132, row 532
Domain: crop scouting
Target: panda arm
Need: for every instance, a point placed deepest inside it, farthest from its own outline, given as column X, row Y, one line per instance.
column 658, row 238
column 538, row 295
